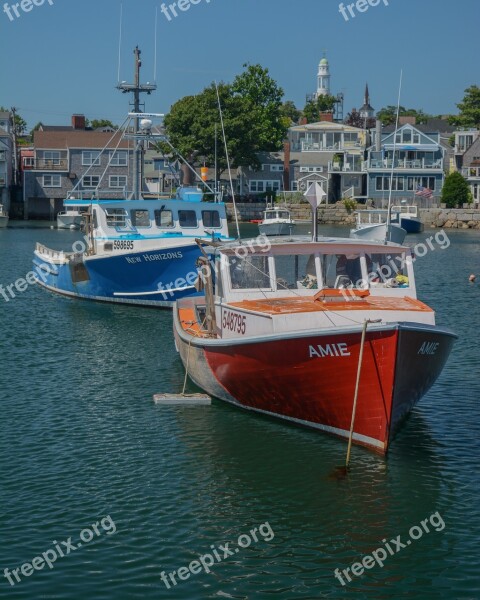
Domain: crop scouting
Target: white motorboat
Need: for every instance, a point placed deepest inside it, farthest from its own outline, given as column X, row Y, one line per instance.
column 70, row 218
column 276, row 221
column 372, row 224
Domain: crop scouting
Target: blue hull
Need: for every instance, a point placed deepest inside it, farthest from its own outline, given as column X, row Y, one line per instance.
column 412, row 225
column 150, row 278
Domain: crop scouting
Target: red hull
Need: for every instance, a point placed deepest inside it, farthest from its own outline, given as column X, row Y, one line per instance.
column 282, row 378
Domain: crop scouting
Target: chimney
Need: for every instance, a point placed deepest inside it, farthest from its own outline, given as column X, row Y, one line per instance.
column 378, row 136
column 303, row 121
column 78, row 122
column 286, row 166
column 326, row 116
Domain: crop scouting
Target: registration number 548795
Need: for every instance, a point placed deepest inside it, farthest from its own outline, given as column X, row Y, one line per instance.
column 234, row 322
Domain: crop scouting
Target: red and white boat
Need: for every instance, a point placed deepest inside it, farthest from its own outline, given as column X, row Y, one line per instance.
column 280, row 327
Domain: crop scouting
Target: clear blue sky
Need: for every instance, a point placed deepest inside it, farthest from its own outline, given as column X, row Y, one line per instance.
column 62, row 58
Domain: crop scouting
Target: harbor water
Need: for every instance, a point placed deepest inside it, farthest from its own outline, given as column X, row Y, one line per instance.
column 112, row 491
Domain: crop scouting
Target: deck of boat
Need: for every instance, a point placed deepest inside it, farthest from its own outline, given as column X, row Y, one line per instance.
column 274, row 306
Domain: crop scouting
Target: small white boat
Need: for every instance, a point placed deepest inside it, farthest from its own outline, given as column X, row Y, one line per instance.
column 3, row 217
column 71, row 218
column 276, row 221
column 406, row 215
column 372, row 225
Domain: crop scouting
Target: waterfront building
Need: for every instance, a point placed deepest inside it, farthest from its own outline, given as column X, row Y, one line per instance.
column 65, row 156
column 330, row 153
column 269, row 178
column 162, row 173
column 6, row 159
column 419, row 161
column 471, row 168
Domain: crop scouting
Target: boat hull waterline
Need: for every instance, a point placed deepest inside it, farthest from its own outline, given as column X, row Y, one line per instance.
column 310, row 379
column 148, row 278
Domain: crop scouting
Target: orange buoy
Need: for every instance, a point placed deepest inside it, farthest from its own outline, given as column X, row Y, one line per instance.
column 204, row 173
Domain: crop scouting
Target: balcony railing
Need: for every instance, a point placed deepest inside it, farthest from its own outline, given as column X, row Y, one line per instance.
column 421, row 163
column 347, row 167
column 56, row 164
column 303, row 146
column 471, row 172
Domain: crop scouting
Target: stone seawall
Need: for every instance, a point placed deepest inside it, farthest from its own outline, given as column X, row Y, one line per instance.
column 337, row 214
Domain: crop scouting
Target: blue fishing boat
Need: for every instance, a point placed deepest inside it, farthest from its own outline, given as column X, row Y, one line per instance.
column 135, row 250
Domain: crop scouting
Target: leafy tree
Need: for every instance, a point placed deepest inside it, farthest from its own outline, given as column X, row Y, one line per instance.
column 290, row 111
column 455, row 190
column 469, row 109
column 388, row 115
column 354, row 119
column 97, row 123
column 263, row 98
column 251, row 114
column 311, row 112
column 313, row 108
column 326, row 103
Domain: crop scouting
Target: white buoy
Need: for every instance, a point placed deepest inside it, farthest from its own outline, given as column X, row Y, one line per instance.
column 182, row 399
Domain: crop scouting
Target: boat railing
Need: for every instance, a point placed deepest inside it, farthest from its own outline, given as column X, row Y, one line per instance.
column 53, row 254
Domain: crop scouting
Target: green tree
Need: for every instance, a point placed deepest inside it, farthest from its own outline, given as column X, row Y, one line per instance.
column 455, row 190
column 469, row 109
column 313, row 108
column 97, row 123
column 290, row 111
column 262, row 97
column 251, row 114
column 388, row 114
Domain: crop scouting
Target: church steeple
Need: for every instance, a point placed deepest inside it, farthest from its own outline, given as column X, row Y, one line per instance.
column 366, row 111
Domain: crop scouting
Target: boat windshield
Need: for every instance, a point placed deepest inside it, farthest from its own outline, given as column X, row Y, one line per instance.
column 250, row 272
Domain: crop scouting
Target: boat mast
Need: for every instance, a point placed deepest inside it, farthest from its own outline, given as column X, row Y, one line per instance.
column 136, row 89
column 389, row 208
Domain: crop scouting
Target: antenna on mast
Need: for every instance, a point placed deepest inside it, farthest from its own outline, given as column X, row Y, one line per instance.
column 120, row 42
column 136, row 89
column 155, row 47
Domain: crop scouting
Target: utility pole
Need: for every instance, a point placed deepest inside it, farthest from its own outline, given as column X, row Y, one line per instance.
column 15, row 159
column 136, row 89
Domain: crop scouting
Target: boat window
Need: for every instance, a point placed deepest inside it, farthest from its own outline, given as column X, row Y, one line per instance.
column 296, row 272
column 342, row 270
column 211, row 218
column 164, row 218
column 187, row 218
column 140, row 218
column 116, row 217
column 283, row 214
column 388, row 269
column 250, row 272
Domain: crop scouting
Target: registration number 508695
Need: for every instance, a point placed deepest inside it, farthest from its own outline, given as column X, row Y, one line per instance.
column 234, row 322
